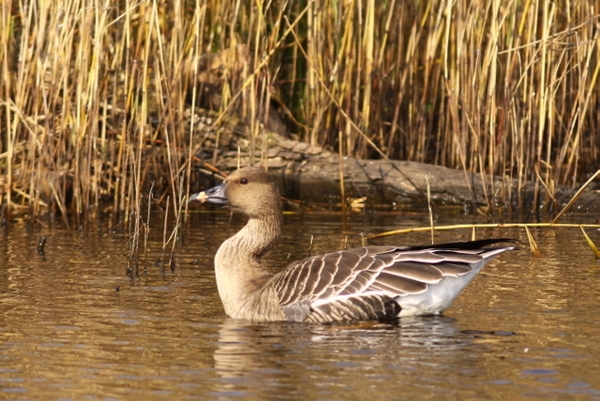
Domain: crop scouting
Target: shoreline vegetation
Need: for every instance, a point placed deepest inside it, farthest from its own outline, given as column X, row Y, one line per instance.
column 96, row 96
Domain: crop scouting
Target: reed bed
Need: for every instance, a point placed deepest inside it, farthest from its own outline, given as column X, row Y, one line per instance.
column 498, row 87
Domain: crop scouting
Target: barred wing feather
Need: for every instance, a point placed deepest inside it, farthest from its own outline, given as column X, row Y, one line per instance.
column 380, row 282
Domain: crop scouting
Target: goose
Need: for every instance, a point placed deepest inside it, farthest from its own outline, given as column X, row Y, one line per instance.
column 376, row 282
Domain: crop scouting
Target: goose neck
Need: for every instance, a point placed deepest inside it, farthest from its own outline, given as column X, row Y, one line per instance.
column 258, row 236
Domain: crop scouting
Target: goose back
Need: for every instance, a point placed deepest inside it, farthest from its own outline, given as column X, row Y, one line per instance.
column 380, row 282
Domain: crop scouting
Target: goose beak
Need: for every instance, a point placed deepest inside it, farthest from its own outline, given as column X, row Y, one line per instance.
column 214, row 196
column 200, row 197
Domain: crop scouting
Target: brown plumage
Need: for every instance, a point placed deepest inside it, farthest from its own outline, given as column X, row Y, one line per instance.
column 374, row 282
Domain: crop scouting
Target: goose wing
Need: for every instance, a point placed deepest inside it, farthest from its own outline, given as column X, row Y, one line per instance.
column 376, row 281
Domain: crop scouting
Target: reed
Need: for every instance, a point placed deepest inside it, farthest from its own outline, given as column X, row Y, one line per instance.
column 93, row 94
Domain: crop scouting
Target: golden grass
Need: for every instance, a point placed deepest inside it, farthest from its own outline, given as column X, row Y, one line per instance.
column 535, row 250
column 499, row 87
column 484, row 225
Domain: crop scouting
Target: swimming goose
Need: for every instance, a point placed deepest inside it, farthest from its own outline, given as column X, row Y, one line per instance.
column 367, row 283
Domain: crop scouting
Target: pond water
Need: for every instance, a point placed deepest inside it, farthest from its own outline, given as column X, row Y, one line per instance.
column 527, row 327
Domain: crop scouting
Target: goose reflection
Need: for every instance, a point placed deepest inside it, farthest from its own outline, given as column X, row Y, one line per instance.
column 256, row 358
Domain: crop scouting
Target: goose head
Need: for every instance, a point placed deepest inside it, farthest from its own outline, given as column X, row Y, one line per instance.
column 249, row 190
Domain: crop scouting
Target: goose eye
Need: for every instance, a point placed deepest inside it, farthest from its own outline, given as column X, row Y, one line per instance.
column 243, row 181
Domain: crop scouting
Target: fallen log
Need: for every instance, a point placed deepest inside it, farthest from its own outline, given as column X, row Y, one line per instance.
column 313, row 175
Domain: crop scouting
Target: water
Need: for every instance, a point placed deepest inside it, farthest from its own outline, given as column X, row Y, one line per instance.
column 525, row 328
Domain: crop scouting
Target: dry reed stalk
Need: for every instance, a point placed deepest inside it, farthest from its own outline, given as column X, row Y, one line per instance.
column 430, row 211
column 195, row 57
column 526, row 226
column 6, row 150
column 164, row 241
column 589, row 241
column 486, row 225
column 175, row 234
column 501, row 87
column 341, row 172
column 576, row 196
column 147, row 228
column 535, row 249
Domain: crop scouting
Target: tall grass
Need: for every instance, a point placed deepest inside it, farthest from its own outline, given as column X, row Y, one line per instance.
column 498, row 87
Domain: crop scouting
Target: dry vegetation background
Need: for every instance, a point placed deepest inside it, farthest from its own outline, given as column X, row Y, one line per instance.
column 503, row 87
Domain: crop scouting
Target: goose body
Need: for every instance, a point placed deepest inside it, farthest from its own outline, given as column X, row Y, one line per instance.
column 367, row 283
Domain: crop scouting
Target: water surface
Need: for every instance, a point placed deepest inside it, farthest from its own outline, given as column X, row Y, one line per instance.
column 73, row 325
